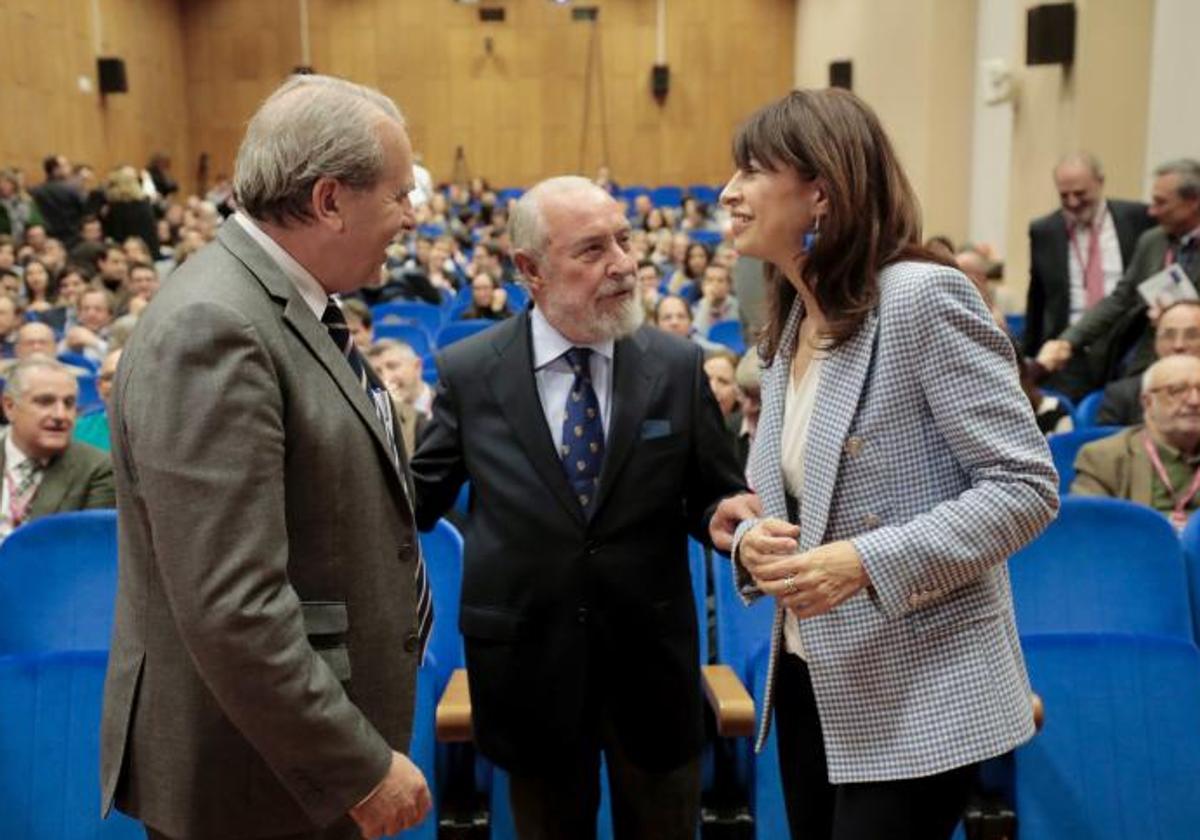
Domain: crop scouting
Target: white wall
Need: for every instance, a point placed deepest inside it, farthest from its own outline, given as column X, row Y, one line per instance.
column 1174, row 119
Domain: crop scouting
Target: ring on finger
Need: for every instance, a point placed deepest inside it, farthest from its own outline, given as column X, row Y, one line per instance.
column 789, row 585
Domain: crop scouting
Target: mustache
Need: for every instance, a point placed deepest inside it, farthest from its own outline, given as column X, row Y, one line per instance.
column 626, row 283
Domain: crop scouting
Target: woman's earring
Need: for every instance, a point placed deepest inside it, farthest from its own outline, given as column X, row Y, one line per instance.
column 810, row 236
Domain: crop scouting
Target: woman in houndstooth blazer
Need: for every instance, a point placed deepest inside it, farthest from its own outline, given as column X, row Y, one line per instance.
column 898, row 466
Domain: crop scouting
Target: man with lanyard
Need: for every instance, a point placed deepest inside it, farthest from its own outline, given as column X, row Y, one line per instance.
column 1157, row 464
column 1175, row 205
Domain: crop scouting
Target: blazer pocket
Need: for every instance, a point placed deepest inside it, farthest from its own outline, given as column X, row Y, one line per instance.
column 490, row 623
column 946, row 616
column 338, row 660
column 325, row 618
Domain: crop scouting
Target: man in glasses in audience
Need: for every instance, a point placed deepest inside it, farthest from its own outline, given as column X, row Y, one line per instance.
column 1158, row 463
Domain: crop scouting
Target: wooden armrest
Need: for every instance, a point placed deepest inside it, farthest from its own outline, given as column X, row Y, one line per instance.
column 454, row 710
column 1039, row 712
column 731, row 703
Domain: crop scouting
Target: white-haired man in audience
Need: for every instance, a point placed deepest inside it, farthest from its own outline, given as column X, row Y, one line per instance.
column 1178, row 331
column 1157, row 464
column 44, row 470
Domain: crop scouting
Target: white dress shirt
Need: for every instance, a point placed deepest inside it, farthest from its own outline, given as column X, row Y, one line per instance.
column 555, row 377
column 13, row 459
column 1110, row 258
column 310, row 290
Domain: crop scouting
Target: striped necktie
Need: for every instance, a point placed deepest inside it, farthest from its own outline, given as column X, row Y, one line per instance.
column 335, row 322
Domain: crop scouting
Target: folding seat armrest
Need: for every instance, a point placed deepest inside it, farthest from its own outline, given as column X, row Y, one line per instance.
column 732, row 705
column 453, row 718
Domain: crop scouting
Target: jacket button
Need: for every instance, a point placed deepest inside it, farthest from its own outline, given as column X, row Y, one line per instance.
column 411, row 642
column 854, row 446
column 872, row 521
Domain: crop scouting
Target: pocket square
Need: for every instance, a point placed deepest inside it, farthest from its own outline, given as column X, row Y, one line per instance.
column 652, row 429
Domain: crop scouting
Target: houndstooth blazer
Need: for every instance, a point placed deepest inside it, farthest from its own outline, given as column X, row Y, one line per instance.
column 924, row 453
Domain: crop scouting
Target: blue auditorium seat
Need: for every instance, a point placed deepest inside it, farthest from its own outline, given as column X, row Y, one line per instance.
column 458, row 330
column 1084, row 416
column 1190, row 540
column 669, row 196
column 50, row 743
column 426, row 315
column 509, row 193
column 1064, row 446
column 58, row 581
column 708, row 238
column 412, row 334
column 1103, row 566
column 728, row 333
column 518, row 296
column 442, row 548
column 78, row 360
column 89, row 395
column 743, row 643
column 704, row 193
column 1119, row 755
column 1016, row 325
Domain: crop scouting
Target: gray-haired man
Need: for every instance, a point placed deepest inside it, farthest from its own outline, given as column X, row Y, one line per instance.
column 271, row 606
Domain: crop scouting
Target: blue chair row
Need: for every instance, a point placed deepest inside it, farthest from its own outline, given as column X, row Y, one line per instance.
column 1064, row 446
column 1119, row 753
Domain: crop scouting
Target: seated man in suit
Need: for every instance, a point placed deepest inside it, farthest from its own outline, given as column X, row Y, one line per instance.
column 1178, row 331
column 594, row 448
column 1157, row 464
column 44, row 470
column 1116, row 333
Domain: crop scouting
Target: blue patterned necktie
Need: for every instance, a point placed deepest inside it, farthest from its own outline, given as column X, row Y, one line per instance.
column 339, row 331
column 582, row 448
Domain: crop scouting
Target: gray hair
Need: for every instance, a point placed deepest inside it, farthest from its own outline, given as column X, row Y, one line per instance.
column 525, row 225
column 311, row 127
column 1188, row 170
column 19, row 373
column 1081, row 158
column 383, row 345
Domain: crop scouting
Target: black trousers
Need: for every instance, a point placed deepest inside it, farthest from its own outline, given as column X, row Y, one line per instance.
column 927, row 808
column 562, row 803
column 343, row 829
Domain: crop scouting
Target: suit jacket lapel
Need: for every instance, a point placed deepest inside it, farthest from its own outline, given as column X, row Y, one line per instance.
column 838, row 392
column 635, row 375
column 512, row 382
column 1060, row 262
column 311, row 332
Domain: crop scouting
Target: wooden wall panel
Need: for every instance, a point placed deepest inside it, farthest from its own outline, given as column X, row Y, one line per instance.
column 516, row 110
column 47, row 45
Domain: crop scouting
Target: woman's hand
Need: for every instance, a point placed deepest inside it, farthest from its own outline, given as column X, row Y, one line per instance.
column 812, row 583
column 765, row 543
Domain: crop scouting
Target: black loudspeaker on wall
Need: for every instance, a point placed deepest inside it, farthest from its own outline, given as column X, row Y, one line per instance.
column 111, row 72
column 841, row 74
column 660, row 82
column 1050, row 34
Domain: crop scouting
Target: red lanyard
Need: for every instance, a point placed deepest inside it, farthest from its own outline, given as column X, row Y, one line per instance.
column 1178, row 517
column 1093, row 246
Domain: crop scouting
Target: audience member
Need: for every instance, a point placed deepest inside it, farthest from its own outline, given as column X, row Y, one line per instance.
column 489, row 301
column 649, row 281
column 92, row 428
column 44, row 470
column 744, row 422
column 720, row 366
column 1178, row 331
column 392, row 362
column 38, row 292
column 977, row 268
column 360, row 321
column 1158, row 463
column 89, row 336
column 17, row 208
column 141, row 288
column 1117, row 327
column 673, row 315
column 59, row 200
column 10, row 319
column 717, row 302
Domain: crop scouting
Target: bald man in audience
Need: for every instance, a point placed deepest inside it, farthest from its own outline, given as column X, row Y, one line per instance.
column 44, row 470
column 1156, row 464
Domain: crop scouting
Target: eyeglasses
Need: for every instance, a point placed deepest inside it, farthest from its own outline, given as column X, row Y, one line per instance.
column 1176, row 392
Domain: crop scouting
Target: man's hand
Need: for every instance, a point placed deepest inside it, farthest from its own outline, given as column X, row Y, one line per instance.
column 1054, row 354
column 814, row 582
column 78, row 338
column 400, row 801
column 729, row 513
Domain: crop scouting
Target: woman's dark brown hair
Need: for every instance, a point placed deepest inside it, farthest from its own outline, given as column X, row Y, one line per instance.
column 873, row 219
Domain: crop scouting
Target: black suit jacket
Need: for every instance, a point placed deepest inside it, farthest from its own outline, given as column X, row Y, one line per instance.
column 1048, row 305
column 562, row 612
column 1122, row 403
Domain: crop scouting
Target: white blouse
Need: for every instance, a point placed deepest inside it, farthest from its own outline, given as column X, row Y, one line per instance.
column 797, row 412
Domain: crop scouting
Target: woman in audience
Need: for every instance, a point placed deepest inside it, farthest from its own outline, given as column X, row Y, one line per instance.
column 898, row 465
column 39, row 291
column 128, row 212
column 489, row 301
column 686, row 279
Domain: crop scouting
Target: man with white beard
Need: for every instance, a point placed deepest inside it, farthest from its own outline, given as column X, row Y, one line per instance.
column 594, row 447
